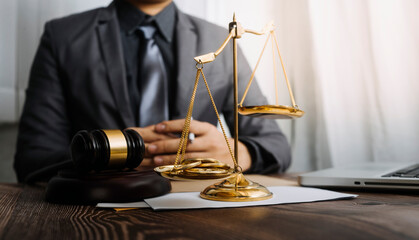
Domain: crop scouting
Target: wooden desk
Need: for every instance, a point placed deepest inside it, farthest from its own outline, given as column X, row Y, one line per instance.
column 24, row 215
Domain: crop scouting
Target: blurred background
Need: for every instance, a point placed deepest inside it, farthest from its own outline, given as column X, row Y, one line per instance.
column 353, row 67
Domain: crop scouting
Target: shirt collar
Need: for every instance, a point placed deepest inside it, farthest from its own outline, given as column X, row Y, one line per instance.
column 166, row 20
column 130, row 18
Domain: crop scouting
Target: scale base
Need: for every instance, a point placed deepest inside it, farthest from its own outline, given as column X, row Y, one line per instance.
column 244, row 191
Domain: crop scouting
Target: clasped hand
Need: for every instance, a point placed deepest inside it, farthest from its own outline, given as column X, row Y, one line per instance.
column 162, row 143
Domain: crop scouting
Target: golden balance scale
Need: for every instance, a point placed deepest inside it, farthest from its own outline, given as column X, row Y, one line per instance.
column 235, row 187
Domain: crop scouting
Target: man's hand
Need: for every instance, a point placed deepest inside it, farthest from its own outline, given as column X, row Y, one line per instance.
column 208, row 142
column 149, row 135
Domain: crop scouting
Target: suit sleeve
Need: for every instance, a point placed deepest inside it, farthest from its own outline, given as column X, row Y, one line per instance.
column 266, row 143
column 44, row 127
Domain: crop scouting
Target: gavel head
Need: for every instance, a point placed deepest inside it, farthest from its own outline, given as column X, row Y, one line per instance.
column 107, row 149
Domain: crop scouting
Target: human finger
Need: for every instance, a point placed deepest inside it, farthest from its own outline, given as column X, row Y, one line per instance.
column 169, row 146
column 176, row 126
column 147, row 153
column 163, row 147
column 149, row 135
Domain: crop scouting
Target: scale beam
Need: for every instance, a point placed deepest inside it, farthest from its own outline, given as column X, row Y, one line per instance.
column 209, row 57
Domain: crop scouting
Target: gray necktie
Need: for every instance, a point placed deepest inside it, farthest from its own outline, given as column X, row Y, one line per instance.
column 153, row 82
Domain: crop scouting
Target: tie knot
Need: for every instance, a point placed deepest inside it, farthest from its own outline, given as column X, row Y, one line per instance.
column 148, row 31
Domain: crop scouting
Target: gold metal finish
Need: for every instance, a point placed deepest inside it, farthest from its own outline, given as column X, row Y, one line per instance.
column 254, row 72
column 271, row 112
column 181, row 169
column 167, row 168
column 236, row 95
column 236, row 188
column 275, row 77
column 269, row 27
column 200, row 175
column 207, row 171
column 195, row 168
column 285, row 73
column 185, row 132
column 203, row 160
column 214, row 165
column 209, row 57
column 206, row 58
column 118, row 148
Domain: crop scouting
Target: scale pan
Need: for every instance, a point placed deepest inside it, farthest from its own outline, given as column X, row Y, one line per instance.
column 195, row 169
column 271, row 111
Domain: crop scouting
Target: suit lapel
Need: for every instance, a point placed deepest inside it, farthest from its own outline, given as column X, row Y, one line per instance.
column 111, row 49
column 186, row 50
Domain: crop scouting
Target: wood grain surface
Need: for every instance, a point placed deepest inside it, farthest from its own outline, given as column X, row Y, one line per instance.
column 25, row 215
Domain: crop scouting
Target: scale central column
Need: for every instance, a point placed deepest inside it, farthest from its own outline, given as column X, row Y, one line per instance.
column 233, row 25
column 236, row 188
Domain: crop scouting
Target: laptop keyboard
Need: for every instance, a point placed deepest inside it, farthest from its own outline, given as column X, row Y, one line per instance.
column 409, row 172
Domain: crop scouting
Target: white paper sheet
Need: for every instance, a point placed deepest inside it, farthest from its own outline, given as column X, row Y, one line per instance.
column 191, row 200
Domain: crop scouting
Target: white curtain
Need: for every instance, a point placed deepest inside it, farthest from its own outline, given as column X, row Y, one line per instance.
column 7, row 60
column 21, row 26
column 364, row 59
column 352, row 65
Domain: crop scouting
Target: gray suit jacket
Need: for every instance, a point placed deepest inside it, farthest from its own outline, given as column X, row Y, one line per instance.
column 78, row 81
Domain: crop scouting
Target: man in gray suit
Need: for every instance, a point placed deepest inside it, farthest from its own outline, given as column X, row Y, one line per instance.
column 89, row 71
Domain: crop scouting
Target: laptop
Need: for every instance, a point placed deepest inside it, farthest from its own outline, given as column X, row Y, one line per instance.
column 403, row 176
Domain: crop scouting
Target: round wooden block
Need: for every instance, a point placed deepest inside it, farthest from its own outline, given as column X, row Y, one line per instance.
column 70, row 187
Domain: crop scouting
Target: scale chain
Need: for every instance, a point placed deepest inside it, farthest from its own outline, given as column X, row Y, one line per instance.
column 236, row 165
column 185, row 131
column 183, row 140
